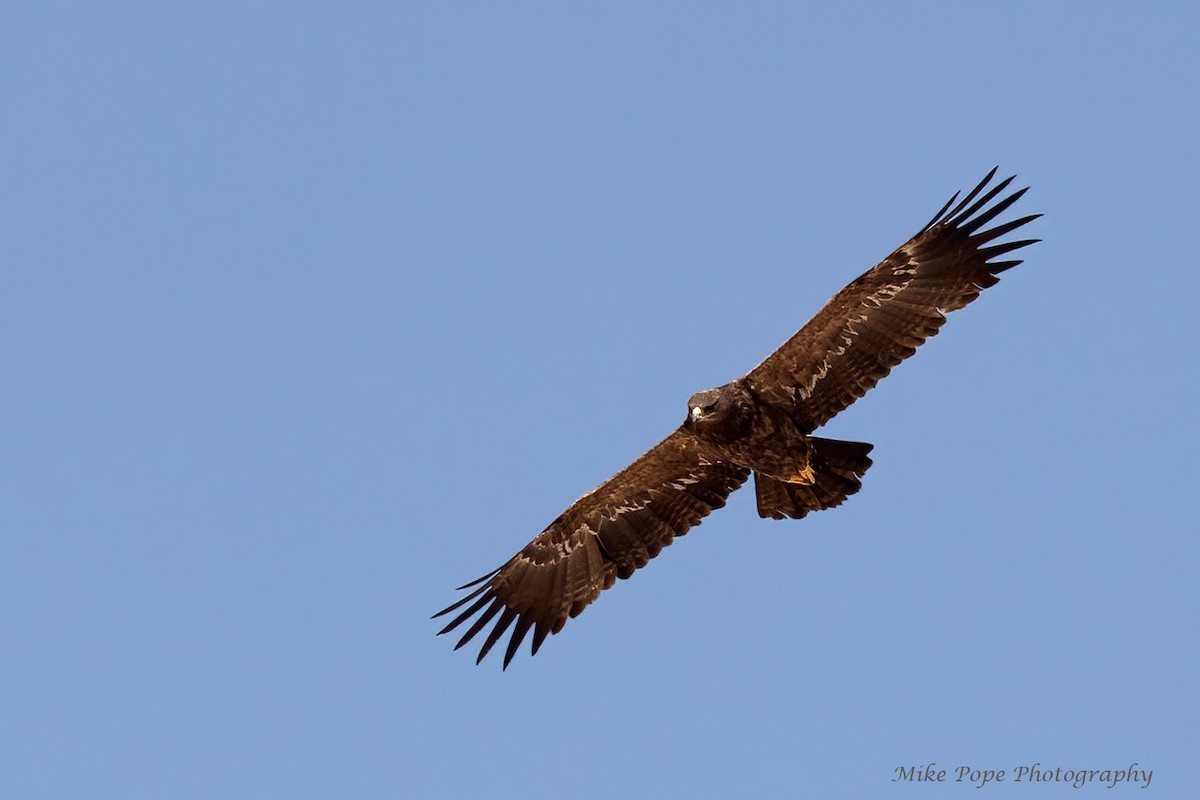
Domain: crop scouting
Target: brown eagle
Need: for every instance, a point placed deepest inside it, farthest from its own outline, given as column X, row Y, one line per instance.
column 760, row 423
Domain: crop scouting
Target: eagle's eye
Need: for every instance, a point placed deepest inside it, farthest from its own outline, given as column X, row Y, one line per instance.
column 697, row 412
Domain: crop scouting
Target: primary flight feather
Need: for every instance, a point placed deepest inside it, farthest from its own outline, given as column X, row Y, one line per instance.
column 760, row 423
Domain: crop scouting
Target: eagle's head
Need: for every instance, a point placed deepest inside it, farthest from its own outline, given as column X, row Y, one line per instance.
column 724, row 412
column 704, row 405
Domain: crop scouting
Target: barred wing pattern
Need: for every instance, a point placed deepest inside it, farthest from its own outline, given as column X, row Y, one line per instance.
column 607, row 534
column 883, row 316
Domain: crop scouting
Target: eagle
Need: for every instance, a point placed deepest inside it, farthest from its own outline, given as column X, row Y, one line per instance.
column 761, row 423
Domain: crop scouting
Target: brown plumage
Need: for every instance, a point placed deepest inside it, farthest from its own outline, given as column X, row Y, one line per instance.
column 761, row 422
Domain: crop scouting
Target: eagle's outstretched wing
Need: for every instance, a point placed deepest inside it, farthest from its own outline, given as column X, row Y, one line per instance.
column 884, row 315
column 607, row 534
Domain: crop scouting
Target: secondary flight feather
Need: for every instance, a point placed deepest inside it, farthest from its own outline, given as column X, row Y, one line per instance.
column 761, row 423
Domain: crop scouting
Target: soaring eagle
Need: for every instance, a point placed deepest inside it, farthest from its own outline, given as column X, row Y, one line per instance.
column 761, row 423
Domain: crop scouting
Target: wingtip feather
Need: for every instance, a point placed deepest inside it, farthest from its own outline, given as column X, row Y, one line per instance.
column 502, row 624
column 518, row 635
column 478, row 581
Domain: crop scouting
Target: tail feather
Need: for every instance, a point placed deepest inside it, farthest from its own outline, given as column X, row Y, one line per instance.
column 838, row 464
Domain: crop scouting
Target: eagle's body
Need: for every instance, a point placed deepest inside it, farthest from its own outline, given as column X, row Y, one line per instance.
column 761, row 423
column 739, row 427
column 793, row 472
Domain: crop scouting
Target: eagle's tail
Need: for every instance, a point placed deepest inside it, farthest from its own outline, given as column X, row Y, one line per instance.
column 837, row 466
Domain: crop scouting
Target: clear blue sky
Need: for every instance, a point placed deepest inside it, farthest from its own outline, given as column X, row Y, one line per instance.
column 312, row 312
